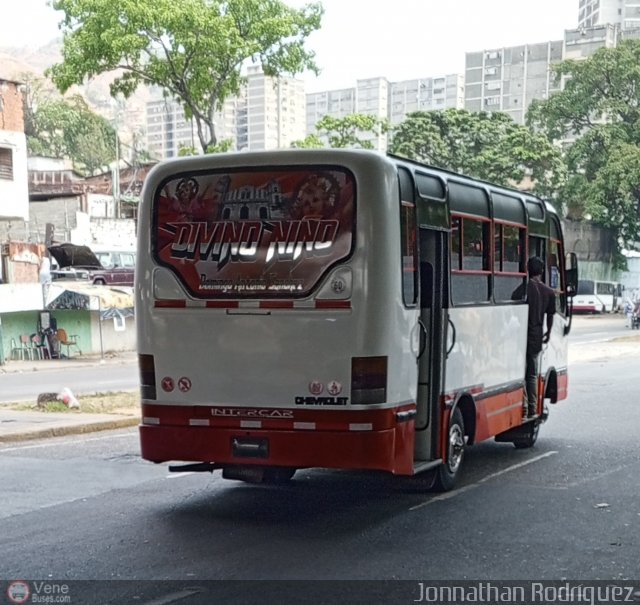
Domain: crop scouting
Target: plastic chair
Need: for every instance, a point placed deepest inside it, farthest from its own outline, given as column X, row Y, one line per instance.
column 69, row 341
column 25, row 345
column 18, row 352
column 40, row 347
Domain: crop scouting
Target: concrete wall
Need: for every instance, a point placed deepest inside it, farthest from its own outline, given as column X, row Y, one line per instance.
column 14, row 191
column 112, row 334
column 594, row 247
column 119, row 233
column 12, row 325
column 20, row 297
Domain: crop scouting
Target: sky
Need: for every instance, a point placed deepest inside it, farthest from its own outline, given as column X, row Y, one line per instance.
column 395, row 39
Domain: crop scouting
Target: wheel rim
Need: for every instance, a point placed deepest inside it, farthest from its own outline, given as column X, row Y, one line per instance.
column 456, row 447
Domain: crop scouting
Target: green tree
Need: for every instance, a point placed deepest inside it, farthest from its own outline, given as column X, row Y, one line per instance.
column 220, row 147
column 597, row 117
column 355, row 130
column 69, row 128
column 489, row 146
column 311, row 141
column 193, row 49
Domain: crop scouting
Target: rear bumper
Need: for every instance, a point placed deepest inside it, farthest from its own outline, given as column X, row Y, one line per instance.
column 587, row 309
column 386, row 449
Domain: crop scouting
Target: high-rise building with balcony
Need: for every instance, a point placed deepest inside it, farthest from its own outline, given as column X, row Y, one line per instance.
column 425, row 94
column 624, row 13
column 583, row 42
column 508, row 79
column 271, row 112
column 168, row 129
column 386, row 100
column 370, row 96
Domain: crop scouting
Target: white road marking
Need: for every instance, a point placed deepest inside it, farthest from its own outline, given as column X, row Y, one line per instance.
column 174, row 596
column 471, row 486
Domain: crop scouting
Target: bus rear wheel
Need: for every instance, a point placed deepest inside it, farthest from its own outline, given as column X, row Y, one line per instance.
column 278, row 475
column 448, row 472
column 528, row 437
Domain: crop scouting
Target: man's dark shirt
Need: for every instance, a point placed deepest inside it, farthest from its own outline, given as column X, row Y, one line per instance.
column 542, row 301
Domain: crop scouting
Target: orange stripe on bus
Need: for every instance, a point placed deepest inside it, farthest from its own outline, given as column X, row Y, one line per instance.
column 333, row 304
column 222, row 304
column 276, row 304
column 170, row 304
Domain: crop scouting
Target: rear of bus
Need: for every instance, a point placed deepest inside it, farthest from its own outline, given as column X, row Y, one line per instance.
column 271, row 326
column 587, row 299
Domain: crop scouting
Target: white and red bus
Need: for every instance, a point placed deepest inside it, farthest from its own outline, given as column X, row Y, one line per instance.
column 597, row 296
column 339, row 309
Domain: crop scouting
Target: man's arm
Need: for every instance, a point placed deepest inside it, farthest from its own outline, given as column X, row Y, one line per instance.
column 519, row 292
column 547, row 334
column 550, row 311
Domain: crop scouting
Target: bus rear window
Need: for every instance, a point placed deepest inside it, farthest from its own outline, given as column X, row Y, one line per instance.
column 254, row 233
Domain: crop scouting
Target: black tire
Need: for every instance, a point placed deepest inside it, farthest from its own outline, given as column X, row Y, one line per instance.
column 99, row 282
column 528, row 438
column 278, row 475
column 448, row 472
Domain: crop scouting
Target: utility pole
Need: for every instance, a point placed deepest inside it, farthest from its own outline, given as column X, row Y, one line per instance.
column 116, row 175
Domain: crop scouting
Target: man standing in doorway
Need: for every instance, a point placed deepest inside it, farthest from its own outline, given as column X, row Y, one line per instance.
column 542, row 301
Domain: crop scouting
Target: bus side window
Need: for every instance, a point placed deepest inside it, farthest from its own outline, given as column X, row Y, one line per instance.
column 470, row 278
column 555, row 275
column 509, row 260
column 408, row 237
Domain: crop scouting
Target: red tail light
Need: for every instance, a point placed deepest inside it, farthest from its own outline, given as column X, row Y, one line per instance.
column 147, row 367
column 368, row 380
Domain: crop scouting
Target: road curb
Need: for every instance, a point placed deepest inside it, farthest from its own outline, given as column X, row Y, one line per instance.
column 79, row 429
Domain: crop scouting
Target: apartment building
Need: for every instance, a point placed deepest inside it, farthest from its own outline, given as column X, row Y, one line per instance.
column 168, row 129
column 388, row 100
column 425, row 94
column 370, row 96
column 623, row 13
column 335, row 103
column 508, row 79
column 14, row 188
column 270, row 112
column 583, row 42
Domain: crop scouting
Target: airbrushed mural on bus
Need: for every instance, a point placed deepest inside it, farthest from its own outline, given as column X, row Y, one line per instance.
column 255, row 234
column 338, row 309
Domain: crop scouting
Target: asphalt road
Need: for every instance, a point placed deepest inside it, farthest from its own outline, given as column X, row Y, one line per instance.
column 87, row 507
column 97, row 378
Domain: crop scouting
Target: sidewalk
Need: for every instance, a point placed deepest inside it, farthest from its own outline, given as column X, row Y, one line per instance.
column 22, row 425
column 33, row 365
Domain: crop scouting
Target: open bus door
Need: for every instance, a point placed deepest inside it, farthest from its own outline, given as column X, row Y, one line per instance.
column 571, row 278
column 433, row 339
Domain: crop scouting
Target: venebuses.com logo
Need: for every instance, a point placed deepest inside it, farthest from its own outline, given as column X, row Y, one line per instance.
column 20, row 591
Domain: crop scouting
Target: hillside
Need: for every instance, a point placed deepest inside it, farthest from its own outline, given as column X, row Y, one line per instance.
column 16, row 62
